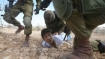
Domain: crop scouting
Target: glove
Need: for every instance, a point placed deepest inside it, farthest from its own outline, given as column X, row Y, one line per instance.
column 37, row 10
column 44, row 4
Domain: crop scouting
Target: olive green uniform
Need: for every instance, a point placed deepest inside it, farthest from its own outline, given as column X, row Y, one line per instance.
column 25, row 6
column 80, row 22
column 81, row 25
column 57, row 25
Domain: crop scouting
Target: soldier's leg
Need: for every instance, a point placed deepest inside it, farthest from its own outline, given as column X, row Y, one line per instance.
column 77, row 25
column 82, row 30
column 91, row 24
column 95, row 21
column 27, row 22
column 9, row 17
column 75, row 43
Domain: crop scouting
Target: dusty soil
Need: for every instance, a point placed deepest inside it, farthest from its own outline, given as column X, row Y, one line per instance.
column 10, row 46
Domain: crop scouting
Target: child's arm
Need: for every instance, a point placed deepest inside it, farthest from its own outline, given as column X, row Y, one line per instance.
column 45, row 44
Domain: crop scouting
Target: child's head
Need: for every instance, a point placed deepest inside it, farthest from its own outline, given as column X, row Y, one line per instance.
column 47, row 35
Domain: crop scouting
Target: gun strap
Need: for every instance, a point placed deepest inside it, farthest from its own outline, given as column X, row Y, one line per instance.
column 64, row 38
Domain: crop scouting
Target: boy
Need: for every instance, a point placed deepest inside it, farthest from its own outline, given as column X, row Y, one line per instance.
column 52, row 40
column 56, row 40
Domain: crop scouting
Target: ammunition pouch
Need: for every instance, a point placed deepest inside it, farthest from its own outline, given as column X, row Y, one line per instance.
column 91, row 6
column 63, row 8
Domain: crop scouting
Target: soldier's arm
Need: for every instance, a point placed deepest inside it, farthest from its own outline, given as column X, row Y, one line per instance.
column 11, row 3
column 38, row 3
column 44, row 4
column 37, row 6
column 41, row 5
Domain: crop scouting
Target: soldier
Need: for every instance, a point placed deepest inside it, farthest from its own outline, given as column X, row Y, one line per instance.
column 81, row 23
column 54, row 23
column 25, row 6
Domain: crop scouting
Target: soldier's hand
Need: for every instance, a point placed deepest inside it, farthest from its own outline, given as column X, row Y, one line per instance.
column 44, row 4
column 42, row 8
column 37, row 11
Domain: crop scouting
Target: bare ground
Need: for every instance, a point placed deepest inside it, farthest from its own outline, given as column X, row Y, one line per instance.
column 10, row 46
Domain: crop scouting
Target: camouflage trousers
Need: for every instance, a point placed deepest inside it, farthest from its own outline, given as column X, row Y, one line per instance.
column 27, row 10
column 82, row 26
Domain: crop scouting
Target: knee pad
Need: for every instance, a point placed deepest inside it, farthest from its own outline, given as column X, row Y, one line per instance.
column 27, row 21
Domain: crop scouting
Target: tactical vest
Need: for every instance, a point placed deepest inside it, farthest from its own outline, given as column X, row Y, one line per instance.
column 63, row 8
column 92, row 6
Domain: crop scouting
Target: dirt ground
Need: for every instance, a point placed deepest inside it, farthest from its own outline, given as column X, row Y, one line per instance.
column 11, row 46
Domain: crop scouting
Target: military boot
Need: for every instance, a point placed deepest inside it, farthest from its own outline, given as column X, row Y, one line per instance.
column 20, row 28
column 101, row 46
column 83, row 51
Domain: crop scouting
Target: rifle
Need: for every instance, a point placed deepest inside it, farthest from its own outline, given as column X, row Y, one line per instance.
column 67, row 31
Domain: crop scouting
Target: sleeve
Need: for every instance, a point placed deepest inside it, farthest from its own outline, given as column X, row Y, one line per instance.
column 58, row 41
column 45, row 44
column 38, row 3
column 45, row 3
column 11, row 3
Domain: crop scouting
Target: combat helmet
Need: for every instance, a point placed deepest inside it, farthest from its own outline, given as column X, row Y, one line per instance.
column 49, row 15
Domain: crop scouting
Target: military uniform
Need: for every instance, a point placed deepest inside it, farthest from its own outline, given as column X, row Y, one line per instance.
column 57, row 25
column 25, row 6
column 81, row 25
